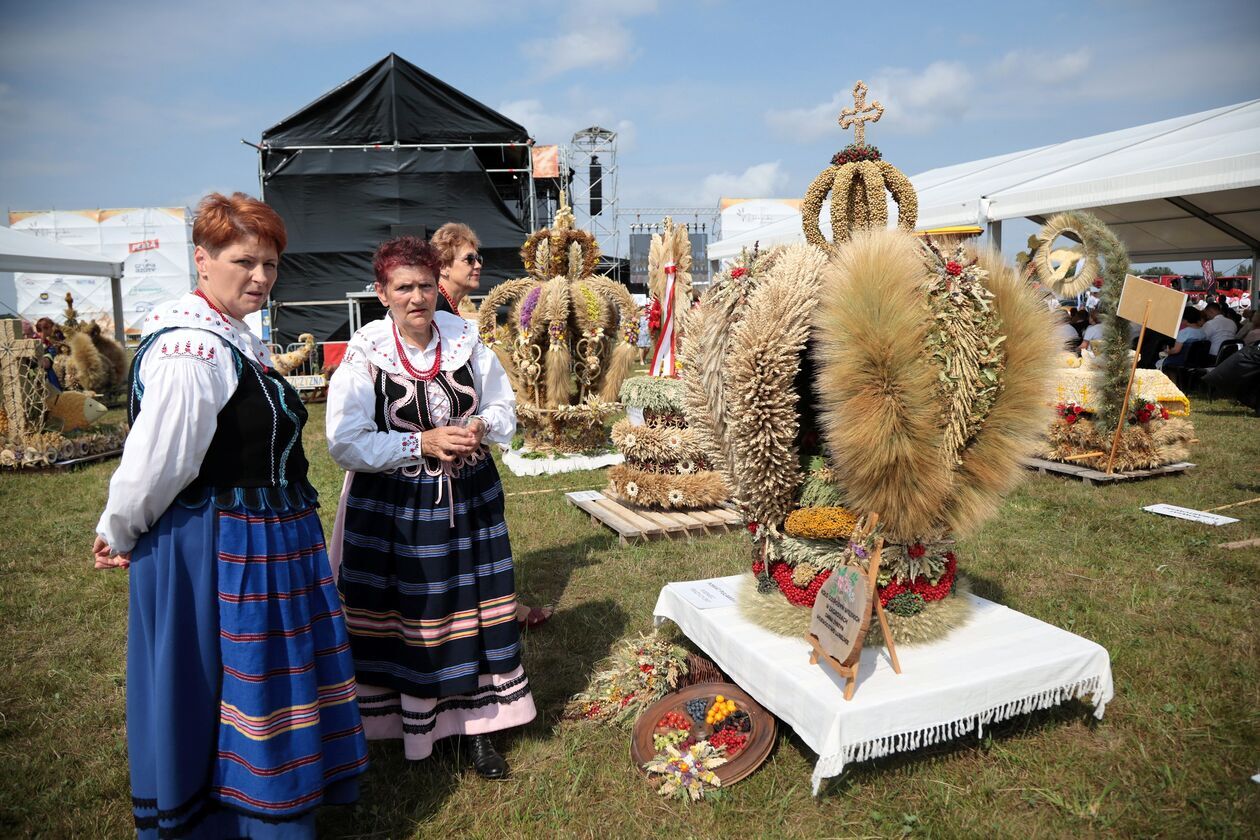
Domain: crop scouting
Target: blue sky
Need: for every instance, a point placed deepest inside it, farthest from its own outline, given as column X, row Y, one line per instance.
column 127, row 104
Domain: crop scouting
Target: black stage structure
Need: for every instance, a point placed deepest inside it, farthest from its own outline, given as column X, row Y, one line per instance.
column 393, row 150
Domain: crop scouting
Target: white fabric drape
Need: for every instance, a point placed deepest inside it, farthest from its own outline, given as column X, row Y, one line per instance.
column 1000, row 664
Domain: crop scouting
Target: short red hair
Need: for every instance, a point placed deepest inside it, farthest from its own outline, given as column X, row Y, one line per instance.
column 404, row 251
column 222, row 220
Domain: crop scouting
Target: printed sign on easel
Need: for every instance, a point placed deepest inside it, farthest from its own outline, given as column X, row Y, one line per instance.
column 842, row 616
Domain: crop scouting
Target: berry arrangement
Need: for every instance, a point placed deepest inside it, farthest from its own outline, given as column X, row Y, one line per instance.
column 728, row 740
column 674, row 720
column 737, row 721
column 697, row 708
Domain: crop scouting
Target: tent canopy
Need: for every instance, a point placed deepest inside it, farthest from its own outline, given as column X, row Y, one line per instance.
column 1183, row 188
column 22, row 252
column 393, row 101
column 392, row 151
column 1178, row 189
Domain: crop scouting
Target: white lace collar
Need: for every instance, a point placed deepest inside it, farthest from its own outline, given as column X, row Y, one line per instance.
column 376, row 342
column 192, row 311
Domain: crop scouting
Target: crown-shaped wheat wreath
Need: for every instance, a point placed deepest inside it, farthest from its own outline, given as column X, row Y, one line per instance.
column 856, row 181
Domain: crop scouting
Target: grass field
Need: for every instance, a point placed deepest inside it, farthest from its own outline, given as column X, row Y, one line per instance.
column 1172, row 758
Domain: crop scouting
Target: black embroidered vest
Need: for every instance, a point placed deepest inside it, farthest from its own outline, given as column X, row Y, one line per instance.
column 256, row 454
column 403, row 404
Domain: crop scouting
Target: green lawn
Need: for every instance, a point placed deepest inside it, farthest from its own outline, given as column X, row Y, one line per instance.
column 1173, row 757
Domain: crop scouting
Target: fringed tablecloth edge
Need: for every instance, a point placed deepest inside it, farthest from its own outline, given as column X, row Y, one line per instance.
column 1099, row 685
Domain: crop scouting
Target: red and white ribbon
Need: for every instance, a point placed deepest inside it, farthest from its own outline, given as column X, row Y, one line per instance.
column 663, row 362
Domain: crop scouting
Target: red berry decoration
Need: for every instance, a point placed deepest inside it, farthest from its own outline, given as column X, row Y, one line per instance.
column 674, row 720
column 728, row 740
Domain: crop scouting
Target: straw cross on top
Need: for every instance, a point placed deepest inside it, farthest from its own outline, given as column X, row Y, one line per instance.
column 860, row 114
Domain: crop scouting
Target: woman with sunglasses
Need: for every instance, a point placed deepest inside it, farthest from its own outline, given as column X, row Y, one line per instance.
column 459, row 267
column 459, row 275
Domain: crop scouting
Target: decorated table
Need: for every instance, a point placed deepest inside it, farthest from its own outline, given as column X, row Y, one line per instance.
column 1000, row 664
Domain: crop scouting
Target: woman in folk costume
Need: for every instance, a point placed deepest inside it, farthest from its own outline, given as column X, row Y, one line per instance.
column 426, row 571
column 459, row 275
column 240, row 687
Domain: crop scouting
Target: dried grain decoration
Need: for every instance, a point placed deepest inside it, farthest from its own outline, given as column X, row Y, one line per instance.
column 666, row 491
column 671, row 247
column 760, row 372
column 707, row 345
column 877, row 388
column 883, row 414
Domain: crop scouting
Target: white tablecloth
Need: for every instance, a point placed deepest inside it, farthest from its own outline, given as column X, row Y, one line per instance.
column 557, row 464
column 1001, row 664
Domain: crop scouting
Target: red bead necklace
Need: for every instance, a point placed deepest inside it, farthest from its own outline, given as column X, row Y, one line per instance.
column 209, row 302
column 266, row 368
column 423, row 376
column 449, row 299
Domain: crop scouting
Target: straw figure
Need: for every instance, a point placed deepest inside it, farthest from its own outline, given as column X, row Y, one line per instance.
column 874, row 373
column 568, row 342
column 86, row 359
column 1088, row 398
column 286, row 363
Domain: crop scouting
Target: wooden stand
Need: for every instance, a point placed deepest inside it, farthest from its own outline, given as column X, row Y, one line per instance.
column 1124, row 406
column 849, row 667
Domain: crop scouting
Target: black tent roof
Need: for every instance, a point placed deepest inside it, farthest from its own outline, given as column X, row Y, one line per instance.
column 394, row 101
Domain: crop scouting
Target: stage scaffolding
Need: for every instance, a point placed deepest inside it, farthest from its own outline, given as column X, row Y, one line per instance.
column 592, row 160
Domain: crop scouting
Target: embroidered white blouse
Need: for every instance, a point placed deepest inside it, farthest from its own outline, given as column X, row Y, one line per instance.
column 353, row 438
column 188, row 376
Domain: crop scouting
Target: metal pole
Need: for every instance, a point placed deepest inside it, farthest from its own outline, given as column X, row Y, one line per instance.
column 995, row 235
column 1255, row 279
column 115, row 294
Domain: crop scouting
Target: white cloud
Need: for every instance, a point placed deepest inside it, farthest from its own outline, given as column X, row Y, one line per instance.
column 1018, row 68
column 592, row 36
column 761, row 180
column 551, row 125
column 914, row 103
column 586, row 45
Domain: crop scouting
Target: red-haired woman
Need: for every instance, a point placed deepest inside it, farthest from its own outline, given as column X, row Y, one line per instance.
column 426, row 571
column 240, row 688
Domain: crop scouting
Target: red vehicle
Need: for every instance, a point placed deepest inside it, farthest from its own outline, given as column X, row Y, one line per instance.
column 1195, row 286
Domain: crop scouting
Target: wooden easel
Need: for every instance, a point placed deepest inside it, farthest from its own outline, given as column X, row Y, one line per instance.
column 849, row 667
column 1124, row 406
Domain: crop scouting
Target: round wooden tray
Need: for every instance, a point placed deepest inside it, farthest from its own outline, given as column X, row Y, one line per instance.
column 753, row 755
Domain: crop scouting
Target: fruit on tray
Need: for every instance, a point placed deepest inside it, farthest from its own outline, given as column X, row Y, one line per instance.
column 661, row 740
column 674, row 720
column 737, row 721
column 719, row 711
column 728, row 740
column 697, row 708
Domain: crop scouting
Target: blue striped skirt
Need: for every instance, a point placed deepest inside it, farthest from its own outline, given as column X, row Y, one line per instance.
column 430, row 605
column 240, row 688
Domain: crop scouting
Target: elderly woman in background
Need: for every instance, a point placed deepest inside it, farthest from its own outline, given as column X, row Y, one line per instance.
column 459, row 267
column 240, row 686
column 459, row 275
column 426, row 573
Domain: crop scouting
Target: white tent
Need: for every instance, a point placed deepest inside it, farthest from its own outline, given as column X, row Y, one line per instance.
column 1178, row 189
column 22, row 252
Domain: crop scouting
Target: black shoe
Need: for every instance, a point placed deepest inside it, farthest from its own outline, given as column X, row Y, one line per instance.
column 486, row 759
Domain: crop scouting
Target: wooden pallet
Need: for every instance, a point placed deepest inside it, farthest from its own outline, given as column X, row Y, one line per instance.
column 1091, row 476
column 636, row 523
